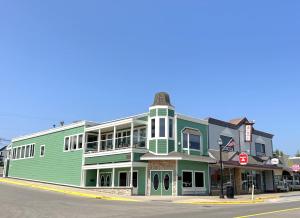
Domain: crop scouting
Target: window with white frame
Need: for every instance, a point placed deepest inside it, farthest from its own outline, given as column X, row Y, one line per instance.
column 42, row 150
column 162, row 127
column 171, row 128
column 73, row 142
column 191, row 139
column 153, row 128
column 193, row 179
column 23, row 152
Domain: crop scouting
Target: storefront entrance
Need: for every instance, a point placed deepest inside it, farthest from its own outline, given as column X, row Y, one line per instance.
column 161, row 182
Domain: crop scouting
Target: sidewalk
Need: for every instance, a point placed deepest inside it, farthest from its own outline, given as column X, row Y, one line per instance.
column 239, row 199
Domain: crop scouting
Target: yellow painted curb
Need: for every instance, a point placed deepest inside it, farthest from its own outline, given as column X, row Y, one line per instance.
column 223, row 202
column 81, row 194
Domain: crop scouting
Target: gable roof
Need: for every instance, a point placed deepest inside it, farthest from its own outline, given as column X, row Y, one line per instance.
column 237, row 123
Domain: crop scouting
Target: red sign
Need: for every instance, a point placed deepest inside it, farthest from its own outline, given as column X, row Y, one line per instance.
column 243, row 158
column 296, row 167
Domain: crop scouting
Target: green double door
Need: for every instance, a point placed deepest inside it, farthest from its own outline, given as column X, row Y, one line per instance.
column 161, row 182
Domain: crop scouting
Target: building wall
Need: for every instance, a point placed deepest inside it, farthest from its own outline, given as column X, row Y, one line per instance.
column 56, row 166
column 239, row 137
column 214, row 134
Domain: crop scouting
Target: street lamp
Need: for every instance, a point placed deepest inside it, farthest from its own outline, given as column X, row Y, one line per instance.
column 220, row 142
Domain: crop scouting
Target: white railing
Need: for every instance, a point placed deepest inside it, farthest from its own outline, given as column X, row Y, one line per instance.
column 120, row 143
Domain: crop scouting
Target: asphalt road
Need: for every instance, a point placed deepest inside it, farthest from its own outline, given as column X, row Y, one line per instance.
column 16, row 201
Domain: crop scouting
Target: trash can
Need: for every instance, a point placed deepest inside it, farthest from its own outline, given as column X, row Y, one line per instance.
column 229, row 191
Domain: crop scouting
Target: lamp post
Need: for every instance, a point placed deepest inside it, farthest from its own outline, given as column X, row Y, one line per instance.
column 220, row 142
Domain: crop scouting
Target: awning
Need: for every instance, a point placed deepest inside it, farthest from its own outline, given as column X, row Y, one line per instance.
column 232, row 159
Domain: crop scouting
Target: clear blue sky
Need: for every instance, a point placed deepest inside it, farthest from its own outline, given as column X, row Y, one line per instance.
column 100, row 60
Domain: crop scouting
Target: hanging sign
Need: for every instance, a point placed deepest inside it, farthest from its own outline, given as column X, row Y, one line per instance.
column 243, row 158
column 248, row 132
column 274, row 161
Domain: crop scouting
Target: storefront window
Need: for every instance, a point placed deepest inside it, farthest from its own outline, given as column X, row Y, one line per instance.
column 187, row 179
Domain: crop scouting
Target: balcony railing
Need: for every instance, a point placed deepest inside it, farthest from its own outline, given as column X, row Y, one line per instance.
column 120, row 143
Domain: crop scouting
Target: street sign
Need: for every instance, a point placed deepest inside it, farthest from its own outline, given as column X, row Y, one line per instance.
column 274, row 161
column 243, row 158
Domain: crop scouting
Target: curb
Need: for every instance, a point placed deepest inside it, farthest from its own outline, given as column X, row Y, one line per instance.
column 257, row 201
column 74, row 193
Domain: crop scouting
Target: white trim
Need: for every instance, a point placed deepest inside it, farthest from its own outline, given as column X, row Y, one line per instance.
column 176, row 177
column 114, row 165
column 195, row 120
column 52, row 130
column 175, row 133
column 188, row 141
column 117, row 151
column 161, row 157
column 161, row 107
column 117, row 122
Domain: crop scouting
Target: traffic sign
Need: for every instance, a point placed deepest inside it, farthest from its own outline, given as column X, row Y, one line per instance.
column 243, row 158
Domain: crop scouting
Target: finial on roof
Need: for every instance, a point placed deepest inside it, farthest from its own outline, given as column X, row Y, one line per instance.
column 162, row 98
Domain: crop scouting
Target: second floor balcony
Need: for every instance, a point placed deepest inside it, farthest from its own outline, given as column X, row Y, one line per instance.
column 122, row 134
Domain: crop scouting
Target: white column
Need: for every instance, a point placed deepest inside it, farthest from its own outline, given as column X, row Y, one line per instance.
column 99, row 139
column 131, row 135
column 114, row 138
column 113, row 178
column 97, row 180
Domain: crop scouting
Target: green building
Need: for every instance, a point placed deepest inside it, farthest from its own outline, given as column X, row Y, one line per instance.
column 159, row 152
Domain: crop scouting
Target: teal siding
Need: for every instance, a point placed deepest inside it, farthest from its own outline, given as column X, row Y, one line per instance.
column 161, row 146
column 108, row 159
column 171, row 145
column 152, row 145
column 162, row 112
column 182, row 124
column 56, row 166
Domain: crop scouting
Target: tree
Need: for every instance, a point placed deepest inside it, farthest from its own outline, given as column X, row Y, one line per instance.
column 298, row 153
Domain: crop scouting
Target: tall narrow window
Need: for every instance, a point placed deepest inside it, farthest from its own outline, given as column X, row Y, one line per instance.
column 32, row 150
column 187, row 179
column 123, row 179
column 80, row 141
column 67, row 141
column 27, row 150
column 42, row 150
column 23, row 152
column 199, row 180
column 162, row 127
column 74, row 142
column 185, row 140
column 153, row 128
column 19, row 152
column 170, row 128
